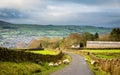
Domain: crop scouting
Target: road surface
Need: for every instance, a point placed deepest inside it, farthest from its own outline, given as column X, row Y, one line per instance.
column 78, row 66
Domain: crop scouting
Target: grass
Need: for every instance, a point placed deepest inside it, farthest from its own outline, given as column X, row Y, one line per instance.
column 110, row 56
column 50, row 70
column 107, row 54
column 45, row 52
column 99, row 71
column 103, row 51
column 96, row 72
column 29, row 68
column 66, row 56
column 25, row 68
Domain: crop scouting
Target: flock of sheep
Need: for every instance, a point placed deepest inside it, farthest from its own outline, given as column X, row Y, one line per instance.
column 66, row 61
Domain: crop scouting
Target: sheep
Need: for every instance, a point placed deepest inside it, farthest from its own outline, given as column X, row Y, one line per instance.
column 59, row 62
column 51, row 64
column 56, row 64
column 66, row 61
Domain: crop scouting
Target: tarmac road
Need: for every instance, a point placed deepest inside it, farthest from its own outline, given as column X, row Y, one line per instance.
column 78, row 66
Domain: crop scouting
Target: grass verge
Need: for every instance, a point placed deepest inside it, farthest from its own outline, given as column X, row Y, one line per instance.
column 96, row 70
column 28, row 68
column 25, row 68
column 107, row 54
column 103, row 51
column 50, row 70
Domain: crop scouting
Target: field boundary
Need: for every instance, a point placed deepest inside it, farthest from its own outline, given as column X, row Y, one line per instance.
column 20, row 56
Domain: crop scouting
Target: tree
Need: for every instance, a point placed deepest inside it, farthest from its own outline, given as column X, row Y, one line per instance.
column 104, row 37
column 50, row 42
column 115, row 34
column 96, row 36
column 62, row 42
column 72, row 39
column 35, row 44
column 86, row 36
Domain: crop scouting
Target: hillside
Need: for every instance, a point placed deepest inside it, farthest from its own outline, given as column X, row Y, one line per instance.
column 13, row 34
column 4, row 23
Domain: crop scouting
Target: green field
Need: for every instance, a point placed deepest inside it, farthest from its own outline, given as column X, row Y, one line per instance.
column 103, row 51
column 45, row 52
column 96, row 51
column 107, row 54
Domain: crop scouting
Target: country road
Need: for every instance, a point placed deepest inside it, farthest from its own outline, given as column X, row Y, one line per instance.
column 78, row 66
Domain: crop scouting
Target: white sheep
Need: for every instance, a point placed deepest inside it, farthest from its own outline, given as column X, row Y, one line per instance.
column 56, row 64
column 51, row 64
column 59, row 62
column 92, row 62
column 66, row 61
column 86, row 59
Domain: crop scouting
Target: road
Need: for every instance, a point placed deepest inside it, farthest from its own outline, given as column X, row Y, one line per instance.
column 78, row 66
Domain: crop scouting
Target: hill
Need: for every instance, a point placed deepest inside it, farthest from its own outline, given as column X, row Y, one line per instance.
column 13, row 34
column 4, row 23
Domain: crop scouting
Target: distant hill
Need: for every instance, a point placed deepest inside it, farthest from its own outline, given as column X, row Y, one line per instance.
column 54, row 30
column 7, row 25
column 17, row 33
column 4, row 23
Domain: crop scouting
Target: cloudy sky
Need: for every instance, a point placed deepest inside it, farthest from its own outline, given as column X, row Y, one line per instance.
column 61, row 12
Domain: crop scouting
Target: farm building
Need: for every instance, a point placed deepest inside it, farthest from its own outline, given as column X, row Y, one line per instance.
column 102, row 44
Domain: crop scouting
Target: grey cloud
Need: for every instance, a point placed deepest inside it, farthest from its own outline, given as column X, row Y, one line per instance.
column 11, row 13
column 88, row 2
column 63, row 12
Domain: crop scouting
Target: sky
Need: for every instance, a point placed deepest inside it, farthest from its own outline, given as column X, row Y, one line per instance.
column 104, row 13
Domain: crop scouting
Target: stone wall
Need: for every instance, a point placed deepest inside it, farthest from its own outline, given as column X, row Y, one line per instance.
column 21, row 56
column 108, row 65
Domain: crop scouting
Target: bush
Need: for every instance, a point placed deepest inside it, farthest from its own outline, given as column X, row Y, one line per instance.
column 50, row 42
column 115, row 34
